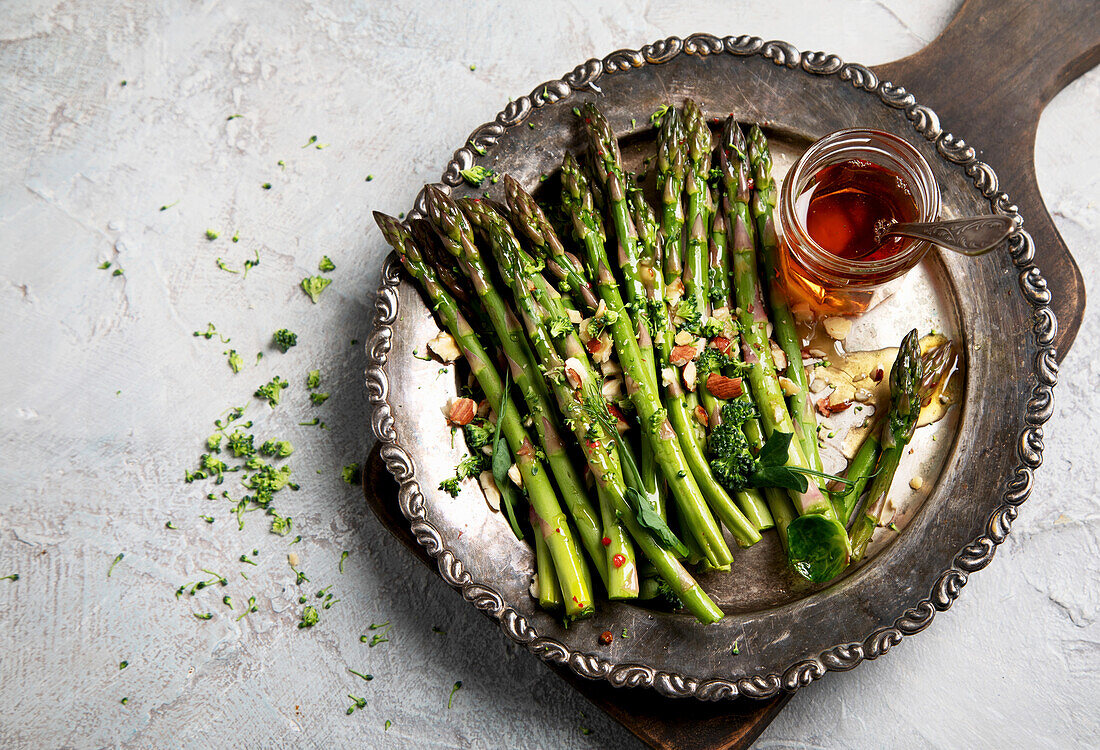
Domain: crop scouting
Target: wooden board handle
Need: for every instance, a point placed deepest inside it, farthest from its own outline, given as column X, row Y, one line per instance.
column 988, row 77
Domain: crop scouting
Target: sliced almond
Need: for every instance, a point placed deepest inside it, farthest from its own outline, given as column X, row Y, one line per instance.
column 681, row 355
column 611, row 369
column 668, row 376
column 790, row 388
column 837, row 328
column 445, row 347
column 514, row 475
column 721, row 314
column 690, row 376
column 827, row 409
column 701, row 416
column 721, row 343
column 674, row 292
column 462, row 412
column 489, row 489
column 620, row 419
column 612, row 389
column 724, row 388
column 599, row 348
column 817, row 385
column 575, row 316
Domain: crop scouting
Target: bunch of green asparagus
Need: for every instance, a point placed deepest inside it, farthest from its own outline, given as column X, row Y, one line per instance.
column 642, row 331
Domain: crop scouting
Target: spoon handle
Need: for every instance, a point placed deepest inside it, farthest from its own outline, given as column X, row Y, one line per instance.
column 974, row 235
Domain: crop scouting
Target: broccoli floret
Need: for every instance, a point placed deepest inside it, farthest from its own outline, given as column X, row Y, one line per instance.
column 272, row 391
column 479, row 433
column 236, row 362
column 214, row 443
column 313, row 380
column 314, row 285
column 318, row 398
column 560, row 326
column 285, row 339
column 450, row 486
column 280, row 448
column 476, row 175
column 266, row 482
column 472, row 465
column 666, row 595
column 326, row 264
column 730, row 458
column 711, row 360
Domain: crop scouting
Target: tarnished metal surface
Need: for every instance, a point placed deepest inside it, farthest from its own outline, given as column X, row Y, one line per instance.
column 979, row 469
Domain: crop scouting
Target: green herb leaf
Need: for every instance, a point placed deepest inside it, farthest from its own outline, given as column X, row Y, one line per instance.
column 649, row 519
column 502, row 461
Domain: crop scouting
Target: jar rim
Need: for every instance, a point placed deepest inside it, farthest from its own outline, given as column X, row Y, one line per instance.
column 900, row 155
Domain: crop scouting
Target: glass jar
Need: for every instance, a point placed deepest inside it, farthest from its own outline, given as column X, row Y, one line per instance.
column 829, row 283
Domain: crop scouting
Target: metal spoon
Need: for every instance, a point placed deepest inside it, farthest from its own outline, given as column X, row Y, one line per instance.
column 974, row 235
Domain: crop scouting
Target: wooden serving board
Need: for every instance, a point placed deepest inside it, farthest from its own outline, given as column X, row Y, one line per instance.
column 988, row 76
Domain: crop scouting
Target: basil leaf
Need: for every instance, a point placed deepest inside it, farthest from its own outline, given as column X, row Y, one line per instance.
column 649, row 519
column 778, row 476
column 776, row 449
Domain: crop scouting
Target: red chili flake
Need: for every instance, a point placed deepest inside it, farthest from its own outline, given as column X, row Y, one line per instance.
column 606, row 541
column 618, row 560
column 606, row 637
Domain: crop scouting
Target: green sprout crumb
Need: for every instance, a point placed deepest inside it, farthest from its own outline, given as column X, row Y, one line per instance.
column 387, row 725
column 313, row 380
column 266, row 186
column 343, row 556
column 203, row 615
column 211, row 235
column 236, row 362
column 281, row 525
column 326, row 264
column 123, row 664
column 124, row 701
column 236, row 237
column 351, row 474
column 455, row 689
column 10, row 577
column 367, row 677
column 116, row 561
column 475, row 175
column 358, row 703
column 311, row 141
column 104, row 265
column 318, row 398
column 272, row 392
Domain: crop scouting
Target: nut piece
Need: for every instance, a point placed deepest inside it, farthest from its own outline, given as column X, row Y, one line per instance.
column 837, row 328
column 779, row 356
column 668, row 376
column 690, row 376
column 681, row 355
column 461, row 412
column 724, row 388
column 514, row 475
column 445, row 347
column 575, row 316
column 827, row 409
column 573, row 370
column 916, row 482
column 292, row 559
column 683, row 338
column 701, row 415
column 489, row 489
column 790, row 388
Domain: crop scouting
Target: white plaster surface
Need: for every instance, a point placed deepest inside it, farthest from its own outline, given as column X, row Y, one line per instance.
column 85, row 163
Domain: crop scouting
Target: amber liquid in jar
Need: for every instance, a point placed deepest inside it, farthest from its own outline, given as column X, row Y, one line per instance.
column 844, row 208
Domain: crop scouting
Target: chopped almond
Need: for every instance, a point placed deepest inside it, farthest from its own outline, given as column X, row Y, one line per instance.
column 489, row 489
column 790, row 388
column 701, row 416
column 445, row 347
column 681, row 355
column 724, row 388
column 668, row 376
column 827, row 409
column 690, row 376
column 620, row 419
column 683, row 338
column 837, row 328
column 575, row 316
column 779, row 356
column 462, row 412
column 721, row 343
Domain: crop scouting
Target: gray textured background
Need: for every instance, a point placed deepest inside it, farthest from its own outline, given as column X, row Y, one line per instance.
column 85, row 163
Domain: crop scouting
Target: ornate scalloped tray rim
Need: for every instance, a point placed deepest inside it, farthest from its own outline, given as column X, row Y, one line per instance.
column 974, row 556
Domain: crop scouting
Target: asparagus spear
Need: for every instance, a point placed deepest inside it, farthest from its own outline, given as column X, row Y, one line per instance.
column 697, row 194
column 753, row 323
column 549, row 590
column 905, row 402
column 529, row 218
column 696, row 516
column 805, row 423
column 612, row 553
column 572, row 572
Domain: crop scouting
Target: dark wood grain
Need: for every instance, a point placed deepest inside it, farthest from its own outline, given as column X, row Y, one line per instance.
column 988, row 77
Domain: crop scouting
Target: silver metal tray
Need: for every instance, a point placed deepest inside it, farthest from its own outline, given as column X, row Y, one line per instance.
column 779, row 633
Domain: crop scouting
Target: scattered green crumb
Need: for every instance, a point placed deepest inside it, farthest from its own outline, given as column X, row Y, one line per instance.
column 232, row 117
column 311, row 141
column 284, row 339
column 236, row 237
column 272, row 391
column 318, row 398
column 211, row 234
column 370, row 178
column 208, row 519
column 343, row 557
column 473, row 67
column 170, row 525
column 387, row 725
column 168, row 206
column 358, row 703
column 314, row 285
column 367, row 677
column 475, row 175
column 124, row 701
column 249, row 609
column 326, row 264
column 116, row 561
column 220, row 263
column 437, row 629
column 309, row 617
column 203, row 615
column 266, row 186
column 104, row 265
column 12, row 577
column 351, row 474
column 313, row 379
column 236, row 362
column 117, row 272
column 455, row 689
